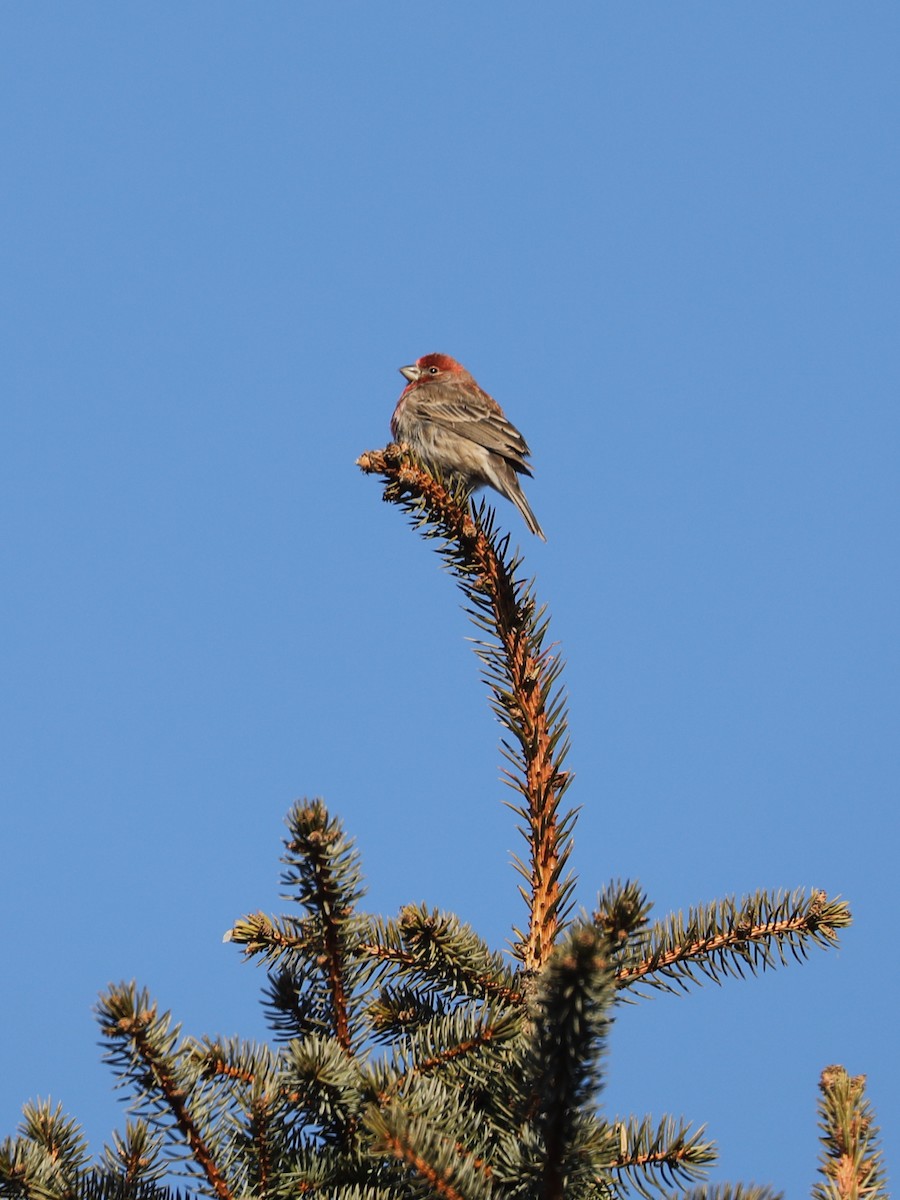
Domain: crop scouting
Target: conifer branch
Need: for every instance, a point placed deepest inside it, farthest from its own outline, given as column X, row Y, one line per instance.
column 49, row 1161
column 452, row 1054
column 324, row 1084
column 571, row 1018
column 521, row 673
column 323, row 874
column 622, row 912
column 654, row 1157
column 851, row 1156
column 261, row 1135
column 438, row 1164
column 142, row 1044
column 270, row 937
column 440, row 950
column 731, row 1191
column 385, row 947
column 215, row 1060
column 465, row 1045
column 728, row 938
column 432, row 1175
column 45, row 1161
column 249, row 1093
column 135, row 1157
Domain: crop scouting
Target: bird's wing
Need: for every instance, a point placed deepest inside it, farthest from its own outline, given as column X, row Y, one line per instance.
column 476, row 416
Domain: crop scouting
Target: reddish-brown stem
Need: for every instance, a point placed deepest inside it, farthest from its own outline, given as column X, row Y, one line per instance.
column 334, row 950
column 437, row 1181
column 136, row 1029
column 764, row 933
column 333, row 944
column 530, row 684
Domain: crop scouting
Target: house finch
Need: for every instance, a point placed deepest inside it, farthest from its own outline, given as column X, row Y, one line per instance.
column 460, row 432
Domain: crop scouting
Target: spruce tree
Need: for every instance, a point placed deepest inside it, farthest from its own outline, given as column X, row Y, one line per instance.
column 409, row 1058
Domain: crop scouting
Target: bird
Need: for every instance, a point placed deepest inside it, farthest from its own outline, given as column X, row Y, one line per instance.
column 460, row 432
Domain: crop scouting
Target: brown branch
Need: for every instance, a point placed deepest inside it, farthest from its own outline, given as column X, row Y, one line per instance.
column 258, row 934
column 489, row 986
column 386, row 953
column 385, row 1095
column 671, row 1148
column 260, row 1132
column 438, row 1182
column 218, row 1066
column 702, row 947
column 333, row 944
column 135, row 1028
column 452, row 1053
column 660, row 1158
column 530, row 685
column 334, row 951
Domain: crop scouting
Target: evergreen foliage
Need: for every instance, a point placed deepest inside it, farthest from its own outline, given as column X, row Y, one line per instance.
column 409, row 1058
column 851, row 1156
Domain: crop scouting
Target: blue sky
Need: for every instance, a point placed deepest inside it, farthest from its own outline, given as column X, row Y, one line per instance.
column 665, row 237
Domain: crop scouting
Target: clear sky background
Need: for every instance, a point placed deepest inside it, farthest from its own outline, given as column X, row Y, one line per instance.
column 665, row 237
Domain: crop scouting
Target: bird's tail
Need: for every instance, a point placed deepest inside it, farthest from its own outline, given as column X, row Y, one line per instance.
column 517, row 496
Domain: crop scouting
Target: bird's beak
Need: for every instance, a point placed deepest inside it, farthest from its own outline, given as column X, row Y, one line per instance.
column 411, row 373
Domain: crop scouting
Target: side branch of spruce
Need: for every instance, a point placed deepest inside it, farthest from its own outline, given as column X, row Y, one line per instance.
column 731, row 938
column 131, row 1026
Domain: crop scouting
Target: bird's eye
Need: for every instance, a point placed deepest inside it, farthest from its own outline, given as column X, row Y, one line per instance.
column 432, row 370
